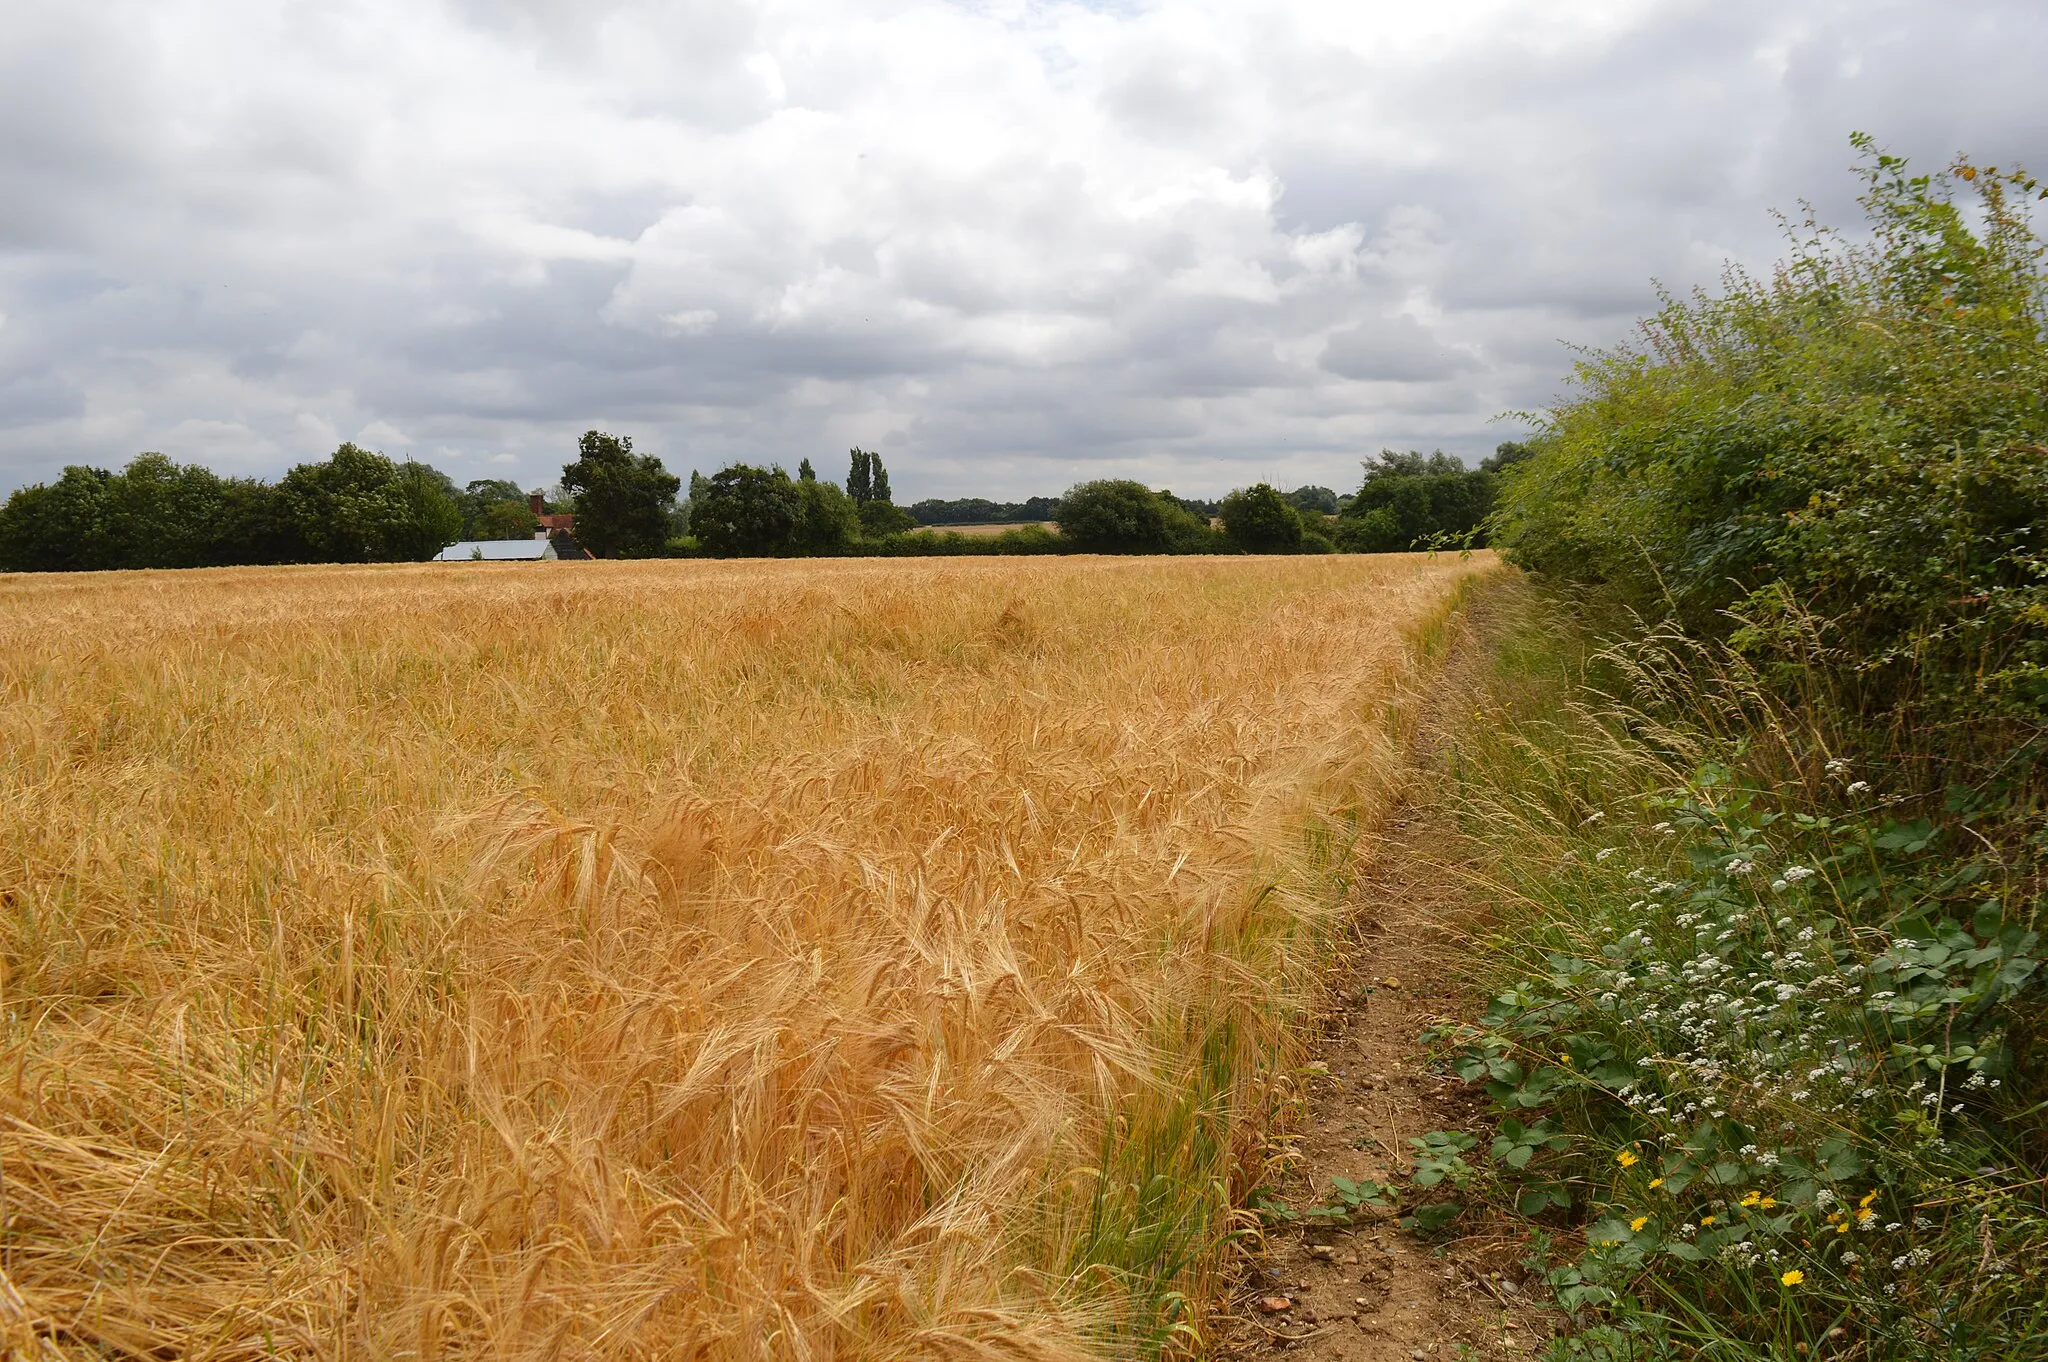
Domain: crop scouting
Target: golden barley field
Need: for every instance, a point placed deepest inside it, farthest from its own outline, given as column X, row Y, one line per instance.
column 808, row 960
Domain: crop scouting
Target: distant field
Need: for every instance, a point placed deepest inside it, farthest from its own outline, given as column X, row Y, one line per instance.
column 825, row 959
column 992, row 529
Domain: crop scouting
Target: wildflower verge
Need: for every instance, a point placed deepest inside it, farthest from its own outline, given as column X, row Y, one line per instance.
column 1760, row 1051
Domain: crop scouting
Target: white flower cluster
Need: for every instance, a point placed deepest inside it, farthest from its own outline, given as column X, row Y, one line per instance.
column 1725, row 1034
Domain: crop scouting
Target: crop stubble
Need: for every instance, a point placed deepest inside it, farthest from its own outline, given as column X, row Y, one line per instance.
column 810, row 960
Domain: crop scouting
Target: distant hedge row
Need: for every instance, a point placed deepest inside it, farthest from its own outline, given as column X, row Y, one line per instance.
column 358, row 507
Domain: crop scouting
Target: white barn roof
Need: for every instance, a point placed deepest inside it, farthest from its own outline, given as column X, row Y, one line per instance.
column 495, row 551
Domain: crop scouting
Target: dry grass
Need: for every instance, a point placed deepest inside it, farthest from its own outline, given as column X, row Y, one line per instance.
column 805, row 960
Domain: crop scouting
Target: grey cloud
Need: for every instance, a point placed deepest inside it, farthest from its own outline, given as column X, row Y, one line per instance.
column 1008, row 245
column 1395, row 349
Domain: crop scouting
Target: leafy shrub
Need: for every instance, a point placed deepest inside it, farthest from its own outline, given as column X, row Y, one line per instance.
column 1774, row 971
column 1026, row 539
column 1762, row 1031
column 1842, row 468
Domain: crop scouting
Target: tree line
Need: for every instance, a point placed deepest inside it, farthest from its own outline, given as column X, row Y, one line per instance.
column 359, row 506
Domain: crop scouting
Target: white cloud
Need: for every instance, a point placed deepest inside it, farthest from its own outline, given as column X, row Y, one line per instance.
column 1009, row 242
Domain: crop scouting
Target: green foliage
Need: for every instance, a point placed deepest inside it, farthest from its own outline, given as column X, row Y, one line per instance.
column 826, row 519
column 981, row 511
column 804, row 471
column 1412, row 501
column 1439, row 1157
column 744, row 511
column 495, row 509
column 360, row 507
column 622, row 499
column 1028, row 539
column 1259, row 520
column 1118, row 516
column 883, row 517
column 1313, row 500
column 153, row 514
column 1842, row 468
column 502, row 520
column 56, row 527
column 1765, row 1031
column 866, row 479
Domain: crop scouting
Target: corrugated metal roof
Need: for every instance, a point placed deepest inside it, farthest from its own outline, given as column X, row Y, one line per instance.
column 495, row 550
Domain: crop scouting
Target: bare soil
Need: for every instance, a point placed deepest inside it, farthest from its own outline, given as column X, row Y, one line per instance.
column 1373, row 1292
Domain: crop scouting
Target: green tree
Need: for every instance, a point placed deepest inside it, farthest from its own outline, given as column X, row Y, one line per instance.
column 492, row 508
column 804, row 471
column 360, row 507
column 827, row 521
column 1115, row 515
column 1259, row 520
column 622, row 499
column 879, row 518
column 1313, row 500
column 57, row 527
column 1409, row 499
column 502, row 520
column 1507, row 454
column 158, row 514
column 746, row 511
column 866, row 479
column 254, row 526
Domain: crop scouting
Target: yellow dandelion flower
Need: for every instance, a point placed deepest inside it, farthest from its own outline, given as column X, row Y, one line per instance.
column 1768, row 1202
column 1626, row 1158
column 1868, row 1197
column 1842, row 1228
column 1752, row 1199
column 1865, row 1217
column 1793, row 1278
column 1655, row 1183
column 1564, row 1056
column 1638, row 1223
column 1706, row 1220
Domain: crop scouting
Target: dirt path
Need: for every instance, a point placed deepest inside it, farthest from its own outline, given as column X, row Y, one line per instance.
column 1373, row 1292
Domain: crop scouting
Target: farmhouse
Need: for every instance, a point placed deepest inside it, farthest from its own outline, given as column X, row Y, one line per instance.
column 550, row 525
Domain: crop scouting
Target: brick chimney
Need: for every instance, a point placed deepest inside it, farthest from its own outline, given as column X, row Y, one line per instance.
column 536, row 503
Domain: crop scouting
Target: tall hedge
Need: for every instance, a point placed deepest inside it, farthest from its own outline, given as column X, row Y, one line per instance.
column 1842, row 468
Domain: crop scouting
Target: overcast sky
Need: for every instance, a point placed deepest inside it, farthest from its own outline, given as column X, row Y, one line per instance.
column 1008, row 244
